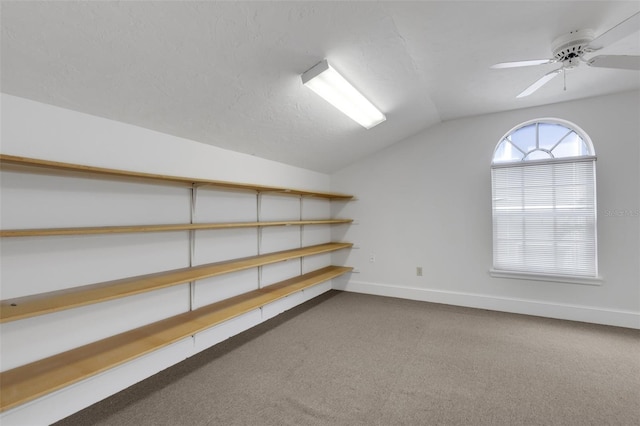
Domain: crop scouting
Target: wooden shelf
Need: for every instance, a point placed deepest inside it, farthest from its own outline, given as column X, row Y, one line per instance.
column 28, row 382
column 8, row 161
column 44, row 303
column 159, row 228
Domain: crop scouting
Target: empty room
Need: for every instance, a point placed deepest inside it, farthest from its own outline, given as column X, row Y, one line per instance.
column 320, row 213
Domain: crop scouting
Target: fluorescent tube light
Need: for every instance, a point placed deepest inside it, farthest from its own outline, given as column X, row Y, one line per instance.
column 330, row 85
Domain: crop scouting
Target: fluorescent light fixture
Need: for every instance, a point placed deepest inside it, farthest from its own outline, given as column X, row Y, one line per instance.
column 330, row 85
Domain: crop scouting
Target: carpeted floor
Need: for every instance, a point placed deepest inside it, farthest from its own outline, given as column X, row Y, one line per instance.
column 353, row 359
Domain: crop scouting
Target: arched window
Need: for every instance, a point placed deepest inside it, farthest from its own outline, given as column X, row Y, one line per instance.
column 544, row 202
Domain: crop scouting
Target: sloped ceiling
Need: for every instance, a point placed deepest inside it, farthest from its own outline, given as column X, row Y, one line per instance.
column 228, row 73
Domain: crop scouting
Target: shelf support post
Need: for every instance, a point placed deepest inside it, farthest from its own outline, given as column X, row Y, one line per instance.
column 259, row 235
column 300, row 216
column 192, row 241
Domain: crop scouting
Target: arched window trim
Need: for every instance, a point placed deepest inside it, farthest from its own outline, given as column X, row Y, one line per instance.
column 546, row 120
column 523, row 162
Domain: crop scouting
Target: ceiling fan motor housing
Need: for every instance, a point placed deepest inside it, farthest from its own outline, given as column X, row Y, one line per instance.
column 569, row 48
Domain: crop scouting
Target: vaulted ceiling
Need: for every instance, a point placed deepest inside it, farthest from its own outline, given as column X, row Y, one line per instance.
column 228, row 73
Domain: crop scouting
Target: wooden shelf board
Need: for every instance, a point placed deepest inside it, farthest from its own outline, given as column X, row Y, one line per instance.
column 31, row 381
column 43, row 232
column 44, row 303
column 17, row 161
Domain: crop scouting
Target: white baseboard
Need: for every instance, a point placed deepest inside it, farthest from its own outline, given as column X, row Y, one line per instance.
column 628, row 319
column 66, row 401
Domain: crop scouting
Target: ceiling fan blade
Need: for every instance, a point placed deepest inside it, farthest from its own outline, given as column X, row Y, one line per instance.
column 522, row 63
column 624, row 62
column 538, row 84
column 620, row 31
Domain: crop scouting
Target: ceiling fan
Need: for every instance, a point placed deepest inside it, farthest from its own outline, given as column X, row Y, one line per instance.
column 569, row 50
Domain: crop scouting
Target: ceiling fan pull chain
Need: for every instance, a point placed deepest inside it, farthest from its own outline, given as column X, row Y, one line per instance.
column 564, row 77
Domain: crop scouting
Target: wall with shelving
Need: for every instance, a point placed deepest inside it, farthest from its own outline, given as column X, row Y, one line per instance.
column 426, row 201
column 37, row 264
column 33, row 129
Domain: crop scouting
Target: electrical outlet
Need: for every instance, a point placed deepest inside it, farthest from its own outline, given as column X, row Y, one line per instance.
column 419, row 271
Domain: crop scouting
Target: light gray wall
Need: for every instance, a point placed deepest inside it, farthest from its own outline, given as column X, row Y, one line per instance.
column 426, row 201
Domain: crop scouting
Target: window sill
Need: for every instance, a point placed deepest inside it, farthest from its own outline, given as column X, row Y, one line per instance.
column 544, row 277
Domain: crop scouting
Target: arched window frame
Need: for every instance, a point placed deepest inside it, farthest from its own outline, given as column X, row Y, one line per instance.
column 531, row 222
column 572, row 128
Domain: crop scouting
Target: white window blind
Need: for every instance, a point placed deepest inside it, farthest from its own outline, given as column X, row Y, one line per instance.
column 544, row 217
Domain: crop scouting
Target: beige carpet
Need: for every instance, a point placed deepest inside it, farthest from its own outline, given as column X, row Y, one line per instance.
column 352, row 359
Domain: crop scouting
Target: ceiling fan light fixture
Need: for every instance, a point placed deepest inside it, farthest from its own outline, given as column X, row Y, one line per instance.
column 570, row 49
column 335, row 89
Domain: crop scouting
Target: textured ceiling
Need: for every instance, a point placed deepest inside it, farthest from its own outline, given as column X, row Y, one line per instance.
column 228, row 73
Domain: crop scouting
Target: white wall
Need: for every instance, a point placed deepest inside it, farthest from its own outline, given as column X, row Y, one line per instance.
column 426, row 201
column 33, row 129
column 39, row 264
